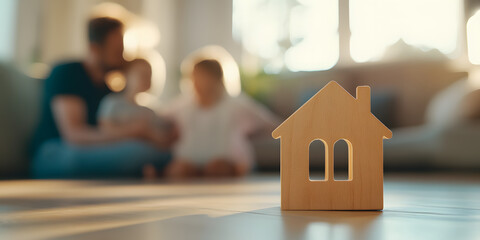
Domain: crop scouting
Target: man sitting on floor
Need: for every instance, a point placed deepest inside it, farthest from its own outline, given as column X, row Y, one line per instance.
column 68, row 142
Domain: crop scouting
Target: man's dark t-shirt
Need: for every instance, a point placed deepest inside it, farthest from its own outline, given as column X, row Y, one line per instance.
column 67, row 79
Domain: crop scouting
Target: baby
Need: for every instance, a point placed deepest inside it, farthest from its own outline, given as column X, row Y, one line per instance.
column 121, row 110
column 214, row 128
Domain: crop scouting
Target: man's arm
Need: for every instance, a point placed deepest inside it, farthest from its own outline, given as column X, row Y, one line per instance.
column 71, row 118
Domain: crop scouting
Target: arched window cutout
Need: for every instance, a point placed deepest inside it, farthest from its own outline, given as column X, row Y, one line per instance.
column 316, row 153
column 342, row 162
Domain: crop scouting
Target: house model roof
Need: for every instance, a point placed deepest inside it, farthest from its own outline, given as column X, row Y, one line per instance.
column 337, row 95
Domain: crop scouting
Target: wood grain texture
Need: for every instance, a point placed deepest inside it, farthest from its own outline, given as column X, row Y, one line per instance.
column 332, row 115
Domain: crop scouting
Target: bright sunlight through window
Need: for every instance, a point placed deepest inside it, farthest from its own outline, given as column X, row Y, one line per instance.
column 426, row 24
column 473, row 38
column 300, row 35
column 314, row 36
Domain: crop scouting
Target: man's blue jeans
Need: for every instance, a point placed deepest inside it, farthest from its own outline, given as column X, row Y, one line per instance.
column 125, row 159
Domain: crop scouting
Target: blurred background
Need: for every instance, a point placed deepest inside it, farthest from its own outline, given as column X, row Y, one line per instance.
column 420, row 57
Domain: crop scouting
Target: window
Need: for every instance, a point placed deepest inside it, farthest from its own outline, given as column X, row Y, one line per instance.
column 473, row 38
column 313, row 36
column 317, row 154
column 341, row 160
column 426, row 24
column 299, row 35
column 303, row 35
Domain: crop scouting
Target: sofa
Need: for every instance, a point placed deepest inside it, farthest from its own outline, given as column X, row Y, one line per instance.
column 19, row 109
column 401, row 94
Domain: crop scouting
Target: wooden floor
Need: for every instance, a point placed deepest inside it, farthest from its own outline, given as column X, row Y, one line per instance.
column 418, row 206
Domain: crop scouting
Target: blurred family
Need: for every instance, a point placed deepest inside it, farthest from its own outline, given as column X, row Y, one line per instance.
column 85, row 130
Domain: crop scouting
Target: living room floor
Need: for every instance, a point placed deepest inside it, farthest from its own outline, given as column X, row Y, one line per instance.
column 417, row 206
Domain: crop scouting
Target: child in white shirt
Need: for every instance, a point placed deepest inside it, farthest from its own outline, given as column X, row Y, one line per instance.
column 214, row 128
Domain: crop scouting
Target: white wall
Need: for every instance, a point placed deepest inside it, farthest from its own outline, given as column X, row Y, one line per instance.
column 163, row 13
column 204, row 22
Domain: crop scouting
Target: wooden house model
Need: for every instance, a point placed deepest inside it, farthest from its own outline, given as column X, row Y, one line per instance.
column 330, row 115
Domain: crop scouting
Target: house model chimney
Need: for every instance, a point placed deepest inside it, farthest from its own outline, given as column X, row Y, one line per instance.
column 363, row 97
